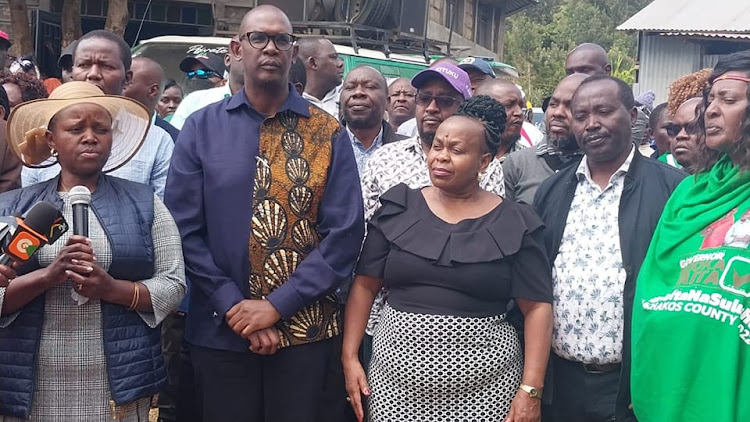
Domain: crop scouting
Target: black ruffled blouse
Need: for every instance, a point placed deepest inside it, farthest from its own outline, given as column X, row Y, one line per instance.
column 470, row 269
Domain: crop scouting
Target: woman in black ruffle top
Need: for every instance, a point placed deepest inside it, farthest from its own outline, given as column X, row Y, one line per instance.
column 452, row 256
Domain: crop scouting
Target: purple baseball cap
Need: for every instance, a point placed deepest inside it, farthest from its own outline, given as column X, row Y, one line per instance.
column 452, row 74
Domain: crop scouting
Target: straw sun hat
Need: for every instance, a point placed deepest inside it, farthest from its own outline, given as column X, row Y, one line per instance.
column 27, row 124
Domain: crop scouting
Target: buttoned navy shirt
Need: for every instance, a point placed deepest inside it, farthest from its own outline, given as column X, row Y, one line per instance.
column 210, row 194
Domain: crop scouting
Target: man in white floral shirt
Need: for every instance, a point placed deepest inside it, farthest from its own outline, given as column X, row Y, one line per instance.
column 600, row 217
column 440, row 90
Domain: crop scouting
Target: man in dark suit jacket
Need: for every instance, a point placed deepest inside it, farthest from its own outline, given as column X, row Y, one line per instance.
column 146, row 86
column 364, row 95
column 600, row 213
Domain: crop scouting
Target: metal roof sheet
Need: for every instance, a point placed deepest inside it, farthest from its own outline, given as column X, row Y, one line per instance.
column 699, row 17
column 515, row 6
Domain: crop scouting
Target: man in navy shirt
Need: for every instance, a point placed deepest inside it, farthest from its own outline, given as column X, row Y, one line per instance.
column 263, row 187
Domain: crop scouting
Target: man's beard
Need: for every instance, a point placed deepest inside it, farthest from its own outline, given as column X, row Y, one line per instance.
column 565, row 144
column 426, row 138
column 197, row 84
column 361, row 122
column 509, row 140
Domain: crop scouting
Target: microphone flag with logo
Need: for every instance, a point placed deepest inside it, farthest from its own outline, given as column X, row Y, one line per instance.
column 43, row 225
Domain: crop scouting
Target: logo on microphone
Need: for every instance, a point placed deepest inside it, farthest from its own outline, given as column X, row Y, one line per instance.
column 24, row 245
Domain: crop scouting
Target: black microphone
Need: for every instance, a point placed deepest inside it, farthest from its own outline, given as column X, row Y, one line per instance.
column 32, row 233
column 80, row 198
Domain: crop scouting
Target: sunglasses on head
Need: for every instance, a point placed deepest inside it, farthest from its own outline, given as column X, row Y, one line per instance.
column 674, row 129
column 202, row 74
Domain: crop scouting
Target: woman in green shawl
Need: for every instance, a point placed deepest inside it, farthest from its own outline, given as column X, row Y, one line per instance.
column 691, row 319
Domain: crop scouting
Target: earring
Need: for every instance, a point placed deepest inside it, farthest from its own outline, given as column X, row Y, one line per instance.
column 52, row 152
column 479, row 177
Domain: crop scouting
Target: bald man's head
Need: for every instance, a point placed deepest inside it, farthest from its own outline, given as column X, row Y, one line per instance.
column 507, row 94
column 496, row 88
column 267, row 67
column 310, row 46
column 147, row 82
column 444, row 60
column 264, row 11
column 325, row 69
column 559, row 118
column 589, row 59
column 363, row 98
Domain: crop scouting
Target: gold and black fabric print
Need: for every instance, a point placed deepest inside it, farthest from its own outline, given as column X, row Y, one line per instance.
column 290, row 177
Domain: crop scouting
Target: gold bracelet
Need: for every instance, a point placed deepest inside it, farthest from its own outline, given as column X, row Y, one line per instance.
column 136, row 294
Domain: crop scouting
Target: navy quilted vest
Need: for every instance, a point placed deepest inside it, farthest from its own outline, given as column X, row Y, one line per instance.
column 135, row 367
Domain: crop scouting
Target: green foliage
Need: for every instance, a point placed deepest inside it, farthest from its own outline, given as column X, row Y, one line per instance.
column 538, row 40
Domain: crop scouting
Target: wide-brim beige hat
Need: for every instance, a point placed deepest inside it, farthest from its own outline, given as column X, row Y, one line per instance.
column 27, row 124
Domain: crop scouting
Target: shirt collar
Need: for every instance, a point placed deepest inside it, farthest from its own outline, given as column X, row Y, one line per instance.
column 375, row 143
column 583, row 170
column 414, row 144
column 227, row 90
column 294, row 102
column 153, row 119
column 333, row 94
column 546, row 148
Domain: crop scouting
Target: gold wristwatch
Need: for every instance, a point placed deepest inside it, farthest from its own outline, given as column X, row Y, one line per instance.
column 533, row 392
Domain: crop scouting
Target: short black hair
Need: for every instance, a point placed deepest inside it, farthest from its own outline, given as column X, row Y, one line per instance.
column 657, row 115
column 124, row 48
column 4, row 102
column 491, row 114
column 170, row 83
column 624, row 91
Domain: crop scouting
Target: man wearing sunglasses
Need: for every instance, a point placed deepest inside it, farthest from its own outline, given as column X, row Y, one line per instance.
column 261, row 190
column 203, row 71
column 196, row 100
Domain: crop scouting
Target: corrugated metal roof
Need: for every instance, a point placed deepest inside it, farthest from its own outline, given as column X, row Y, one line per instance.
column 692, row 16
column 512, row 6
column 515, row 6
column 733, row 35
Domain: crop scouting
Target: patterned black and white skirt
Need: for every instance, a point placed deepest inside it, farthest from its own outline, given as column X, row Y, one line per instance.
column 443, row 368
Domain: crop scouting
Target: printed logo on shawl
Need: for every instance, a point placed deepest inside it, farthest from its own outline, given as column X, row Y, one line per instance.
column 715, row 283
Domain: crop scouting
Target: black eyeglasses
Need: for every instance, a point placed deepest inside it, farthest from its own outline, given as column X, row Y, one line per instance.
column 442, row 101
column 692, row 128
column 202, row 74
column 260, row 40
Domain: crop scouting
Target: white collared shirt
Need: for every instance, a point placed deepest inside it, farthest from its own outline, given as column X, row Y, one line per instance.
column 329, row 103
column 197, row 100
column 588, row 275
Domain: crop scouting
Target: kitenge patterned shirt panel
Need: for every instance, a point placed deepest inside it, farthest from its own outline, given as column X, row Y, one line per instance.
column 406, row 162
column 290, row 178
column 588, row 275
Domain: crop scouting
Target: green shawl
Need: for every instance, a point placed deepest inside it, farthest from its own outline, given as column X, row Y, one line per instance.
column 691, row 315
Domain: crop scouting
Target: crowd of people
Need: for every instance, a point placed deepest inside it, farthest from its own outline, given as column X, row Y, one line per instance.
column 292, row 242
